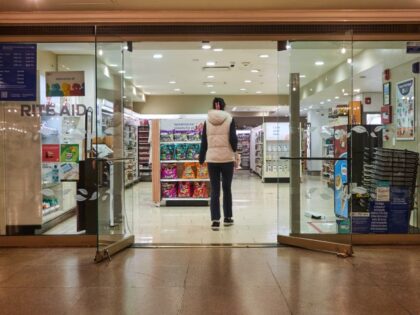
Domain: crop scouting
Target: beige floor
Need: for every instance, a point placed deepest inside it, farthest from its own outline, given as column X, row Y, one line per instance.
column 201, row 281
column 261, row 210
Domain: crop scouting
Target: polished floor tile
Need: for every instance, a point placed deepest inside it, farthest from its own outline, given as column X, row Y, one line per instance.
column 217, row 280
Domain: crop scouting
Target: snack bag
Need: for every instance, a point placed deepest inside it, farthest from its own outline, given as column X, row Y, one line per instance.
column 184, row 190
column 169, row 190
column 188, row 172
column 169, row 171
column 180, row 152
column 202, row 171
column 200, row 190
column 166, row 135
column 193, row 151
column 193, row 135
column 166, row 152
column 180, row 135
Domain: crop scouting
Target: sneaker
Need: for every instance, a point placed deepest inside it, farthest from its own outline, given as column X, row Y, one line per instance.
column 215, row 225
column 228, row 221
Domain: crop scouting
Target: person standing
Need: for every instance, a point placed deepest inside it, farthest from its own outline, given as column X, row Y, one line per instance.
column 218, row 146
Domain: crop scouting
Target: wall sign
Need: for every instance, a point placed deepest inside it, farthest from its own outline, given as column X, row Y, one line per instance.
column 17, row 72
column 65, row 83
column 51, row 153
column 404, row 111
column 386, row 89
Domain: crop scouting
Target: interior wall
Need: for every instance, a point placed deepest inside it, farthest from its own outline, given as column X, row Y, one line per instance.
column 199, row 104
column 317, row 119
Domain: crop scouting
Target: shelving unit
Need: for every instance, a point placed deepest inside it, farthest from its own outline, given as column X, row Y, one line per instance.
column 180, row 139
column 144, row 150
column 130, row 152
column 244, row 137
column 328, row 151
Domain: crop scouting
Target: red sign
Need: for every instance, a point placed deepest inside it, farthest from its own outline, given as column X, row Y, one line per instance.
column 51, row 153
column 386, row 115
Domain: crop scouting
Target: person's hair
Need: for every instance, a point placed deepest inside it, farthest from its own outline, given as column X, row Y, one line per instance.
column 220, row 101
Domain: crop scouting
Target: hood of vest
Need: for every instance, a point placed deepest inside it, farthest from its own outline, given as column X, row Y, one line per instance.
column 217, row 117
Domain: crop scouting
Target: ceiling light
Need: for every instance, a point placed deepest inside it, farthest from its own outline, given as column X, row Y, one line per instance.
column 113, row 65
column 349, row 60
column 100, row 52
column 356, row 90
column 128, row 77
column 121, row 71
column 213, row 92
column 210, row 77
column 206, row 45
column 264, row 56
column 177, row 90
column 337, row 97
column 288, row 84
column 319, row 63
column 255, row 70
column 343, row 50
column 138, row 86
column 346, row 94
column 248, row 81
column 211, row 63
column 302, row 76
column 310, row 107
column 210, row 85
column 258, row 92
column 343, row 90
column 322, row 103
column 157, row 56
column 172, row 82
column 218, row 49
column 125, row 47
column 288, row 45
column 329, row 100
column 242, row 89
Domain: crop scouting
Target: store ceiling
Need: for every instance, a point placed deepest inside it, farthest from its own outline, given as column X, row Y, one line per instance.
column 85, row 5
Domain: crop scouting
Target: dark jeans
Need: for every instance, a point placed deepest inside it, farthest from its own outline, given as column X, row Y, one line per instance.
column 215, row 170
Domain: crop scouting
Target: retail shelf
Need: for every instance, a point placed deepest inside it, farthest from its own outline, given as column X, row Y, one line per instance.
column 185, row 180
column 185, row 199
column 182, row 142
column 50, row 185
column 178, row 161
column 50, row 210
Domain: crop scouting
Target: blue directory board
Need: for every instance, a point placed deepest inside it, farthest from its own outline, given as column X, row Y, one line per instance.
column 17, row 72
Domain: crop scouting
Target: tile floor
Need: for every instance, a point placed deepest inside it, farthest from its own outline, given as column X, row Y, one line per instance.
column 229, row 281
column 255, row 204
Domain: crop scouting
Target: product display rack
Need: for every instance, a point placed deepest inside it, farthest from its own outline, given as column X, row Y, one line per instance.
column 131, row 153
column 144, row 163
column 176, row 136
column 328, row 151
column 244, row 137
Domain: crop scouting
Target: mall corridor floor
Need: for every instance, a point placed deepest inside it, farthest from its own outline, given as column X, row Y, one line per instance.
column 199, row 281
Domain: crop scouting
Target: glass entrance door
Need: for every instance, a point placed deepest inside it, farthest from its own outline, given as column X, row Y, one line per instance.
column 322, row 113
column 114, row 148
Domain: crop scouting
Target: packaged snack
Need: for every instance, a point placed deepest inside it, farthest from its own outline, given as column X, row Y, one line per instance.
column 202, row 171
column 169, row 190
column 180, row 135
column 200, row 190
column 166, row 135
column 193, row 151
column 180, row 152
column 169, row 171
column 188, row 172
column 184, row 190
column 166, row 152
column 193, row 135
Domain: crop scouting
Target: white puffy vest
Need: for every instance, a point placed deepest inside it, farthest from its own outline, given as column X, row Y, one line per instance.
column 219, row 149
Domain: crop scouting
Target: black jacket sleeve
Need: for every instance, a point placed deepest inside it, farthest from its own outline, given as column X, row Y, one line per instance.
column 233, row 138
column 203, row 147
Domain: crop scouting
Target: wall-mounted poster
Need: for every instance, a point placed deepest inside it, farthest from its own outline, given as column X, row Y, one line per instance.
column 65, row 83
column 69, row 153
column 404, row 112
column 386, row 93
column 51, row 153
column 69, row 171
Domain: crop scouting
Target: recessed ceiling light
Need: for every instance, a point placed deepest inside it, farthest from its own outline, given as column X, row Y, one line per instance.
column 177, row 90
column 100, row 52
column 172, row 82
column 121, row 71
column 138, row 86
column 319, row 63
column 206, row 45
column 288, row 85
column 213, row 92
column 113, row 65
column 210, row 85
column 264, row 56
column 242, row 89
column 302, row 76
column 210, row 63
column 329, row 100
column 258, row 92
column 346, row 94
column 311, row 89
column 255, row 70
column 349, row 60
column 157, row 56
column 218, row 49
column 343, row 90
column 248, row 81
column 128, row 77
column 310, row 107
column 356, row 90
column 337, row 97
column 343, row 50
column 288, row 45
column 322, row 103
column 210, row 77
